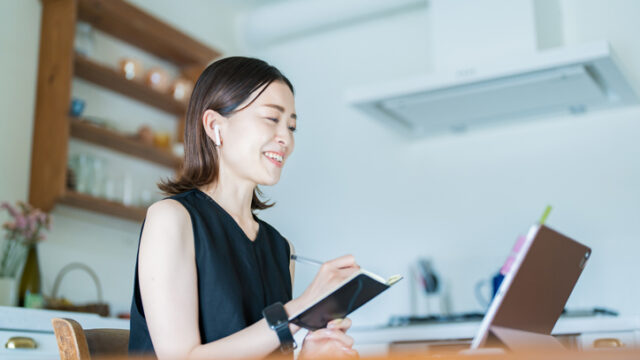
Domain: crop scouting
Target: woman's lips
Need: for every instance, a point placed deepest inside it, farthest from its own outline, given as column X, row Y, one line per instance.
column 275, row 157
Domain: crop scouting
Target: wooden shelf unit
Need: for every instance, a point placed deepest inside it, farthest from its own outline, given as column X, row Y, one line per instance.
column 134, row 26
column 111, row 79
column 113, row 140
column 88, row 202
column 57, row 64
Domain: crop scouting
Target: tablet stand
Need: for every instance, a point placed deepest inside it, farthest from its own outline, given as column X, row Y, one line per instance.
column 516, row 340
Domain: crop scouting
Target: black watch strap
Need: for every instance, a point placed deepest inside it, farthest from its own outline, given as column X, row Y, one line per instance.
column 278, row 320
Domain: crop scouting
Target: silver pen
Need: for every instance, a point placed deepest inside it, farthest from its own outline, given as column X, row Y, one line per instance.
column 305, row 260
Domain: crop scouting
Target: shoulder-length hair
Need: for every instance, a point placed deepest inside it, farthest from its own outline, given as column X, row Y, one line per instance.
column 222, row 87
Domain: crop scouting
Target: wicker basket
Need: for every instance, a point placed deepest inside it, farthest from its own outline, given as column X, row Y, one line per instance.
column 54, row 303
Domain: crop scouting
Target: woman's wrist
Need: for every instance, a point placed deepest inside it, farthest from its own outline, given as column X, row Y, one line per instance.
column 293, row 307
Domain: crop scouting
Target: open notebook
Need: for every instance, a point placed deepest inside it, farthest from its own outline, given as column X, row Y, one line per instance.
column 348, row 296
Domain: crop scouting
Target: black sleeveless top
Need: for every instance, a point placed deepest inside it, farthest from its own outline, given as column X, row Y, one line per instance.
column 237, row 277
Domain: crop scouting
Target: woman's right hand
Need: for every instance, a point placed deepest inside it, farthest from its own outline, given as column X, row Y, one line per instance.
column 331, row 342
column 331, row 274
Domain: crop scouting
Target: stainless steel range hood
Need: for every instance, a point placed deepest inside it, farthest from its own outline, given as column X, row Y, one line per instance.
column 556, row 81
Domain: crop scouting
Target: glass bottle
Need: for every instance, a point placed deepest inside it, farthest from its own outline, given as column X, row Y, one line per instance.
column 30, row 280
column 84, row 39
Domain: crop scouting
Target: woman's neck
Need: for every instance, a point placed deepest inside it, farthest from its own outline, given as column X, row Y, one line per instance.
column 233, row 195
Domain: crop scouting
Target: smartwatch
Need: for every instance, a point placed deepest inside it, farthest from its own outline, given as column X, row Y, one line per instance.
column 278, row 320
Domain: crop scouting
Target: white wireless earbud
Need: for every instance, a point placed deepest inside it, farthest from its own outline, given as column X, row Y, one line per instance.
column 216, row 134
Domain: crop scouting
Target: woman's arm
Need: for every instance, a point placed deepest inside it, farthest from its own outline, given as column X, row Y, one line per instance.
column 169, row 291
column 167, row 278
column 168, row 287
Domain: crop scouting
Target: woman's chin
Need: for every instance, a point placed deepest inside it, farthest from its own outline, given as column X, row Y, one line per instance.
column 270, row 180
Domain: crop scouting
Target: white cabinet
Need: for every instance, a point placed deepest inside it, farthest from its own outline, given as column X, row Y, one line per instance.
column 609, row 339
column 36, row 325
column 45, row 342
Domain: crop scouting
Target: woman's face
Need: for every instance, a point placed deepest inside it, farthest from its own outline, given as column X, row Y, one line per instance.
column 257, row 140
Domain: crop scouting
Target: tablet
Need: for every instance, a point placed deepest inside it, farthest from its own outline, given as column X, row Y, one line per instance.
column 535, row 289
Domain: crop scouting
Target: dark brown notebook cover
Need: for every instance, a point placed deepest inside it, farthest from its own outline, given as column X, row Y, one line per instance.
column 348, row 297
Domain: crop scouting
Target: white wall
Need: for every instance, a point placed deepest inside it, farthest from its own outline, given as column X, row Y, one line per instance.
column 18, row 68
column 354, row 186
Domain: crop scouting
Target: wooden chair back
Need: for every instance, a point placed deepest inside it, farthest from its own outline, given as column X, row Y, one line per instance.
column 75, row 343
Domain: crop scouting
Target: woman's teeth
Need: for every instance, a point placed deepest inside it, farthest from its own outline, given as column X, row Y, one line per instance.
column 274, row 156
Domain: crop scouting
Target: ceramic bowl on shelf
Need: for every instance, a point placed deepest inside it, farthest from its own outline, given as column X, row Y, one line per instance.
column 158, row 79
column 162, row 139
column 131, row 69
column 145, row 135
column 181, row 89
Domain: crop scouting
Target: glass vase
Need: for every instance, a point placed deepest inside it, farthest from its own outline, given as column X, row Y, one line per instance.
column 8, row 293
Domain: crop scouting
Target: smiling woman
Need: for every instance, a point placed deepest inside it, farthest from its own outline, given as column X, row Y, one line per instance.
column 211, row 277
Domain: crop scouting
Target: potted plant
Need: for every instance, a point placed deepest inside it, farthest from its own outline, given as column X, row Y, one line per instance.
column 22, row 233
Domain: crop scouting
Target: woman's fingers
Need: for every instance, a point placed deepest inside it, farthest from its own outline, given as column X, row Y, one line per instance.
column 345, row 261
column 331, row 334
column 349, row 352
column 328, row 343
column 340, row 324
column 346, row 272
column 330, row 275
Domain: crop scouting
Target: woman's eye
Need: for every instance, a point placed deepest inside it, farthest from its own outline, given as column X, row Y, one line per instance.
column 292, row 128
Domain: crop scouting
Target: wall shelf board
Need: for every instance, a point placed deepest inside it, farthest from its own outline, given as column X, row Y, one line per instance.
column 111, row 79
column 102, row 206
column 138, row 28
column 113, row 140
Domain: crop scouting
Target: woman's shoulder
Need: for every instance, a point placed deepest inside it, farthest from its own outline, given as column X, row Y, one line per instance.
column 173, row 205
column 167, row 210
column 167, row 224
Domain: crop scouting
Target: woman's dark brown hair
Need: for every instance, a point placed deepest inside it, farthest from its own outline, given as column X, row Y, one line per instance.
column 222, row 87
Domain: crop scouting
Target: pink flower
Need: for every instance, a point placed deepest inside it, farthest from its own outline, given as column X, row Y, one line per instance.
column 26, row 208
column 27, row 222
column 42, row 218
column 32, row 222
column 20, row 222
column 12, row 211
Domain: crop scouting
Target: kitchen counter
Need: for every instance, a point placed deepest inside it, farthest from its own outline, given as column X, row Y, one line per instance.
column 579, row 332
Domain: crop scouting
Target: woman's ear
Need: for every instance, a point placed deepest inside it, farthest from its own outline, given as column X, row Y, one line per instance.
column 212, row 122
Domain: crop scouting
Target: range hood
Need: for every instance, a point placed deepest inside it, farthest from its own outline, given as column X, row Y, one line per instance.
column 554, row 81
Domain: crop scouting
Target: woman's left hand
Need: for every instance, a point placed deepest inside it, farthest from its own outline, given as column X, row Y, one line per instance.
column 331, row 342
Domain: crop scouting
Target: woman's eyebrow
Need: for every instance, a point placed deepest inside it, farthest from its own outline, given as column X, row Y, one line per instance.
column 280, row 108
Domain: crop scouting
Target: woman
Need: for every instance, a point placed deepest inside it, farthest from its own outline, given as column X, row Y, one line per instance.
column 207, row 267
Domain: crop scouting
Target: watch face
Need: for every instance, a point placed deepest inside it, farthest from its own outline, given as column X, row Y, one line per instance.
column 276, row 315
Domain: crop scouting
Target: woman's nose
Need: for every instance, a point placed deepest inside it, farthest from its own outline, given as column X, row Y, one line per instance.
column 282, row 137
column 283, row 142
